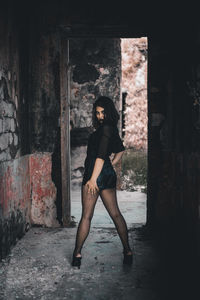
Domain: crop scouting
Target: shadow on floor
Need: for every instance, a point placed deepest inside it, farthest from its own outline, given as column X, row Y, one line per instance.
column 177, row 261
column 165, row 266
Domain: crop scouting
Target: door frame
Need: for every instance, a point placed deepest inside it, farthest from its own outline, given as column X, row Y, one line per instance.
column 65, row 130
column 66, row 33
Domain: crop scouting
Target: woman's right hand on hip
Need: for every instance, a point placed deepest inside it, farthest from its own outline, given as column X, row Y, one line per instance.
column 92, row 186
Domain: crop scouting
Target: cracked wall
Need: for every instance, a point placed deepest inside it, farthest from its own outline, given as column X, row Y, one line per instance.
column 14, row 182
column 15, row 202
column 44, row 98
column 18, row 192
column 27, row 197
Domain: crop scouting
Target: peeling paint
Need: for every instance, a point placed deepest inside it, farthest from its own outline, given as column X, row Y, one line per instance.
column 43, row 209
column 28, row 196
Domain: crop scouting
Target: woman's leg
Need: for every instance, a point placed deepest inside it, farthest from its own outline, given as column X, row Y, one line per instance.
column 109, row 199
column 88, row 205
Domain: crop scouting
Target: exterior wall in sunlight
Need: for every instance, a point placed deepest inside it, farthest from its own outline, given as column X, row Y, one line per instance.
column 134, row 84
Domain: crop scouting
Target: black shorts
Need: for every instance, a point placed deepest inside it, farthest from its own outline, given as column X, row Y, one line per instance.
column 107, row 179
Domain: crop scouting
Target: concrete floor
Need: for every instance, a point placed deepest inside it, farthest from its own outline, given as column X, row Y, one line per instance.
column 39, row 265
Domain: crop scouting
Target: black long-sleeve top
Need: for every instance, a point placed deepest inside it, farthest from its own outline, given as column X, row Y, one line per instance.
column 101, row 143
column 104, row 141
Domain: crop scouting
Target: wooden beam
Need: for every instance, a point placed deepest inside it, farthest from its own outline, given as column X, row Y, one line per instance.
column 65, row 130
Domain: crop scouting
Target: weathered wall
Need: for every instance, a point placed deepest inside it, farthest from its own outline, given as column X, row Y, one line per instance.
column 17, row 186
column 134, row 84
column 15, row 202
column 44, row 97
column 95, row 70
column 43, row 191
column 44, row 92
column 9, row 87
column 14, row 169
column 27, row 197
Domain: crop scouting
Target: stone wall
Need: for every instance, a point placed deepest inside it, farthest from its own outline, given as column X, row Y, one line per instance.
column 95, row 70
column 9, row 89
column 134, row 87
column 19, row 187
column 9, row 141
column 14, row 182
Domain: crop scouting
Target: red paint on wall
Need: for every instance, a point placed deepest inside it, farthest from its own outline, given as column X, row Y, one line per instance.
column 26, row 185
column 15, row 186
column 43, row 209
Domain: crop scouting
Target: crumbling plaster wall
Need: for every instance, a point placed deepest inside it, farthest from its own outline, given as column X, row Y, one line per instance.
column 14, row 185
column 15, row 195
column 44, row 98
column 27, row 193
column 27, row 197
column 95, row 70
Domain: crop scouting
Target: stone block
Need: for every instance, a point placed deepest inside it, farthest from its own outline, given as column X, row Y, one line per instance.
column 15, row 139
column 7, row 109
column 12, row 125
column 4, row 141
column 10, row 138
column 3, row 156
column 6, row 124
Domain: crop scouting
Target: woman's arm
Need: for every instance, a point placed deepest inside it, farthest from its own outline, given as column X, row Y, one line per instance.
column 117, row 157
column 100, row 158
column 91, row 184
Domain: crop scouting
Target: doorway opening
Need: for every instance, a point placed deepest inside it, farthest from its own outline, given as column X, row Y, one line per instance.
column 134, row 113
column 104, row 66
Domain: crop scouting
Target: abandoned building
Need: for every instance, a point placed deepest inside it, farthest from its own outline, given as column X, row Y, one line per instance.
column 55, row 60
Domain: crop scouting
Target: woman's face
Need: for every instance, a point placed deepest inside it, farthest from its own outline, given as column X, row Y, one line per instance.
column 100, row 114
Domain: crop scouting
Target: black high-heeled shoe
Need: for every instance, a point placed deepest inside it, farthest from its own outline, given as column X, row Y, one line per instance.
column 76, row 261
column 128, row 259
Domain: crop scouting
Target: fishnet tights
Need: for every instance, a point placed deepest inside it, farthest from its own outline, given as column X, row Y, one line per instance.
column 109, row 199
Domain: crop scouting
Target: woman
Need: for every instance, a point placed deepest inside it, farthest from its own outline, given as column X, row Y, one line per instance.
column 100, row 178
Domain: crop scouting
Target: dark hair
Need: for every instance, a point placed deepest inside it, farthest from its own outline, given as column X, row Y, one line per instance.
column 111, row 114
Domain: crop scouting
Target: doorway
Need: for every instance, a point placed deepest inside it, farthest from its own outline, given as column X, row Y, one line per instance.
column 95, row 69
column 134, row 113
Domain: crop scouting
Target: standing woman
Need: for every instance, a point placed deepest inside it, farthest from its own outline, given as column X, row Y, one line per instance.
column 100, row 178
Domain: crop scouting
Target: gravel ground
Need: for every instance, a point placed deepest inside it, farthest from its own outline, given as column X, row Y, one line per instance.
column 39, row 267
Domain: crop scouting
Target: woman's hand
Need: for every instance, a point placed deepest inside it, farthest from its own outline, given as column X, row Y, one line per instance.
column 92, row 183
column 92, row 186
